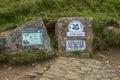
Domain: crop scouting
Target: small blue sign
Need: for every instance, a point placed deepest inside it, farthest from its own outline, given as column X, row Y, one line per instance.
column 32, row 37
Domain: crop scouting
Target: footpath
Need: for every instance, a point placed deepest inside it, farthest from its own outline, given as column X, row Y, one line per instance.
column 68, row 68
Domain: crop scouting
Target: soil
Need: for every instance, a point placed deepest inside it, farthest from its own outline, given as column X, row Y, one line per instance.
column 111, row 55
column 8, row 72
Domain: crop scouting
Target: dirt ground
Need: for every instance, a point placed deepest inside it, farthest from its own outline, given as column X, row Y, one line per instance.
column 8, row 72
column 111, row 55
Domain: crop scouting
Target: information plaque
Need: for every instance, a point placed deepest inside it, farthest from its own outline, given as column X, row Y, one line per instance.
column 32, row 37
column 72, row 45
column 75, row 28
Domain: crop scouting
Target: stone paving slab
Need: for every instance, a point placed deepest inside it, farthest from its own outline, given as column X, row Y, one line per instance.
column 67, row 68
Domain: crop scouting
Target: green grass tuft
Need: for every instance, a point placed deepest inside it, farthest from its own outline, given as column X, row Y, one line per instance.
column 78, row 52
column 27, row 58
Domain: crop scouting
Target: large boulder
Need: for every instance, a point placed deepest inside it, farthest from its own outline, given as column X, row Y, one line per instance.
column 73, row 34
column 14, row 39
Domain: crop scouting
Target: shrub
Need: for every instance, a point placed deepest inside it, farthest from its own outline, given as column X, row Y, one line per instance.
column 112, row 38
column 55, row 44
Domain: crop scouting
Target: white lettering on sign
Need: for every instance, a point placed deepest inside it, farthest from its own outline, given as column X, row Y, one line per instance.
column 72, row 45
column 75, row 28
column 76, row 33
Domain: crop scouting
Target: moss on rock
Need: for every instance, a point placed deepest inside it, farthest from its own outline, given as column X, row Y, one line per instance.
column 28, row 57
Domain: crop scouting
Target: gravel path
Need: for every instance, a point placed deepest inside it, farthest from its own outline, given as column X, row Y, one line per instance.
column 79, row 69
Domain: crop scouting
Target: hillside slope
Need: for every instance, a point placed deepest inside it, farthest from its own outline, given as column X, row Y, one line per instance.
column 105, row 13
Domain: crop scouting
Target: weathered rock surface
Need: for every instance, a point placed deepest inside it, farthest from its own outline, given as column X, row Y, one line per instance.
column 2, row 43
column 67, row 31
column 14, row 38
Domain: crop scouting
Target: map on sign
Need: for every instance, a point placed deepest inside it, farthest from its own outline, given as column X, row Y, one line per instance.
column 75, row 28
column 72, row 45
column 32, row 37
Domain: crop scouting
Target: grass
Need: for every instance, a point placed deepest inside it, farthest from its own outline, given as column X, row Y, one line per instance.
column 19, row 10
column 83, row 54
column 78, row 52
column 27, row 58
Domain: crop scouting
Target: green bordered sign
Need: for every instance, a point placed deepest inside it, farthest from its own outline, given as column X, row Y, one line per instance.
column 32, row 37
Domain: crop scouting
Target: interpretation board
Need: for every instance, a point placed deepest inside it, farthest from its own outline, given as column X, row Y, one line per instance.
column 32, row 37
column 74, row 33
